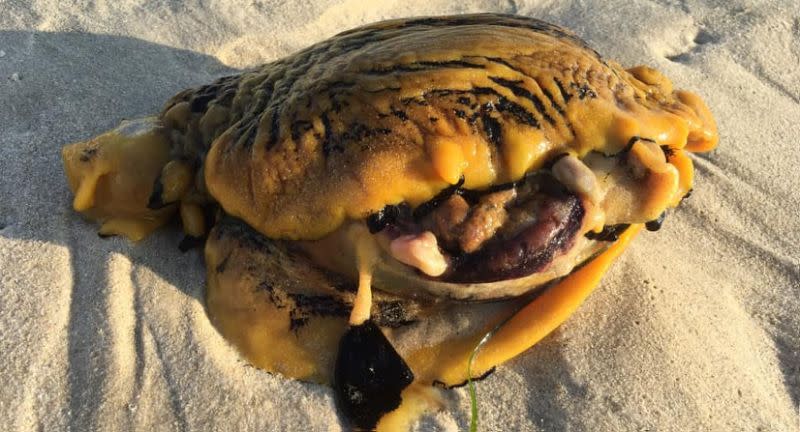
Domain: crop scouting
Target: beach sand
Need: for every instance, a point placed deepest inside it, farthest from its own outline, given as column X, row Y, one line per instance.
column 696, row 327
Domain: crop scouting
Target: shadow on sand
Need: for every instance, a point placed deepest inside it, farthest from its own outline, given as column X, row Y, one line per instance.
column 83, row 84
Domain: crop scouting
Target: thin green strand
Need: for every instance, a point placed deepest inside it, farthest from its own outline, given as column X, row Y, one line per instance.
column 473, row 398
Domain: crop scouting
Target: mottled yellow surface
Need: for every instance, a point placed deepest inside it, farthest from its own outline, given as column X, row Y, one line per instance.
column 401, row 118
column 395, row 112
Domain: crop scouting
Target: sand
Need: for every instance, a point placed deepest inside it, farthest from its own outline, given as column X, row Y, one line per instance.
column 697, row 327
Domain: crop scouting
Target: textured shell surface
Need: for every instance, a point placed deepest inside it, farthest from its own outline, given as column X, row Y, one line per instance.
column 398, row 110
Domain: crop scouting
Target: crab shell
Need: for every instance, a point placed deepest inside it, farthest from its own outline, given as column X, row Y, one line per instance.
column 397, row 111
column 392, row 113
column 389, row 113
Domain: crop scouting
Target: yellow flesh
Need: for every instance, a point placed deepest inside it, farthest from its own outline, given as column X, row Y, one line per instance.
column 257, row 321
column 112, row 176
column 366, row 255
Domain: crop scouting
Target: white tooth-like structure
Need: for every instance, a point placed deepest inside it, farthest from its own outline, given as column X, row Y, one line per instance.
column 577, row 177
column 420, row 251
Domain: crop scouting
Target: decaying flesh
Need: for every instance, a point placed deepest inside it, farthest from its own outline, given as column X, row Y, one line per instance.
column 483, row 155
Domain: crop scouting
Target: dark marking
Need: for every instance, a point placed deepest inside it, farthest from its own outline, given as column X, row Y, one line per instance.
column 506, row 64
column 155, row 201
column 564, row 93
column 609, row 233
column 354, row 132
column 473, row 91
column 423, row 66
column 360, row 131
column 482, row 377
column 336, row 106
column 191, row 242
column 392, row 314
column 369, row 376
column 655, row 224
column 300, row 127
column 344, row 286
column 327, row 141
column 250, row 138
column 522, row 92
column 394, row 89
column 274, row 129
column 222, row 88
column 552, row 100
column 584, row 91
column 423, row 209
column 685, row 197
column 222, row 264
column 274, row 296
column 492, row 129
column 400, row 114
column 297, row 322
column 87, row 154
column 520, row 113
column 460, row 113
column 542, row 177
column 199, row 101
column 634, row 139
column 387, row 216
column 668, row 151
column 308, row 306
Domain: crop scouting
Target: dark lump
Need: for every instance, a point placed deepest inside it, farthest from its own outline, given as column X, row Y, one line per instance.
column 369, row 376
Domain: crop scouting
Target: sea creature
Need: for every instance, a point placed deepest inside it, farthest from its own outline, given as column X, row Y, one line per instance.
column 438, row 160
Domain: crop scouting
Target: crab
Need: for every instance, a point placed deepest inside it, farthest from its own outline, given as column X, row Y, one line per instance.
column 442, row 161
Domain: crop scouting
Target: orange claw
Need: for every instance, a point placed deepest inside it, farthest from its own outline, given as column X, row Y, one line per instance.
column 541, row 316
